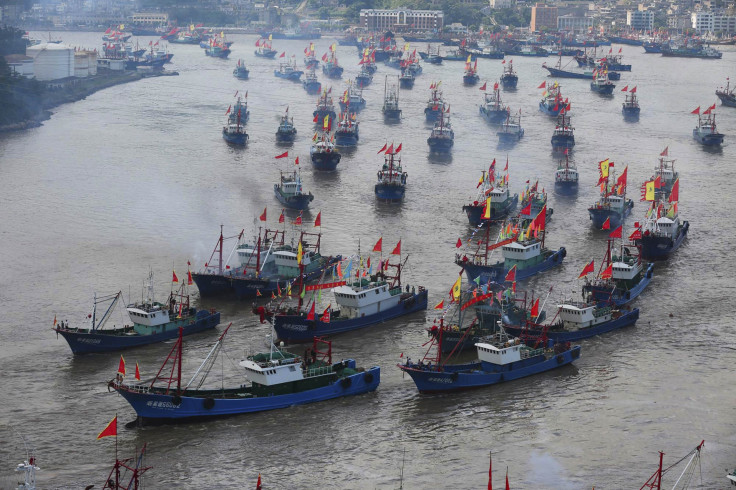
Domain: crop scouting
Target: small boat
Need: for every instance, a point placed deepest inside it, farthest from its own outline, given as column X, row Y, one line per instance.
column 233, row 132
column 662, row 233
column 288, row 71
column 706, row 132
column 217, row 49
column 290, row 193
column 413, row 65
column 406, row 79
column 492, row 108
column 442, row 137
column 727, row 95
column 509, row 78
column 151, row 321
column 652, row 47
column 552, row 103
column 613, row 62
column 433, row 58
column 311, row 83
column 533, row 201
column 494, row 200
column 310, row 60
column 564, row 134
column 325, row 108
column 501, row 358
column 558, row 71
column 630, row 107
column 510, row 131
column 265, row 50
column 566, row 177
column 527, row 50
column 369, row 299
column 610, row 210
column 391, row 111
column 286, row 132
column 240, row 72
column 391, row 184
column 601, row 84
column 240, row 109
column 347, row 132
column 352, row 99
column 28, row 467
column 364, row 78
column 470, row 77
column 278, row 379
column 459, row 55
column 331, row 68
column 323, row 153
column 435, row 104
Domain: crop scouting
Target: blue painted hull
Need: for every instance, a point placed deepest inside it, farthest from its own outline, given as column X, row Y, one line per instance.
column 480, row 374
column 265, row 54
column 406, row 82
column 333, row 72
column 235, row 139
column 300, row 202
column 618, row 296
column 631, row 112
column 285, row 137
column 296, row 328
column 293, row 76
column 85, row 343
column 470, row 80
column 392, row 114
column 312, row 87
column 510, row 137
column 509, row 81
column 431, row 115
column 241, row 75
column 354, row 106
column 557, row 73
column 711, row 139
column 320, row 114
column 602, row 89
column 550, row 110
column 617, row 67
column 566, row 188
column 160, row 407
column 346, row 139
column 475, row 212
column 493, row 116
column 363, row 81
column 659, row 247
column 326, row 161
column 440, row 145
column 387, row 192
column 599, row 216
column 497, row 272
column 626, row 319
column 562, row 141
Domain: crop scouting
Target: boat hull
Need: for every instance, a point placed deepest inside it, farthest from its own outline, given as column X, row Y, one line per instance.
column 631, row 112
column 392, row 114
column 334, row 72
column 470, row 79
column 293, row 76
column 599, row 215
column 606, row 89
column 470, row 376
column 475, row 212
column 627, row 318
column 497, row 272
column 494, row 116
column 555, row 72
column 300, row 202
column 297, row 329
column 390, row 192
column 509, row 81
column 440, row 145
column 617, row 296
column 654, row 247
column 708, row 139
column 312, row 87
column 406, row 82
column 326, row 161
column 727, row 99
column 285, row 137
column 566, row 188
column 346, row 139
column 86, row 343
column 431, row 115
column 510, row 136
column 235, row 139
column 562, row 141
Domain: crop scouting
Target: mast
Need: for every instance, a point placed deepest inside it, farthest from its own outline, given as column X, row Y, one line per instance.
column 220, row 244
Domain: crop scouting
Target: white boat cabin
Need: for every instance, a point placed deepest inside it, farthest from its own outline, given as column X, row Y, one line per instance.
column 147, row 315
column 566, row 174
column 614, row 203
column 358, row 301
column 272, row 371
column 575, row 316
column 499, row 355
column 522, row 251
column 247, row 254
column 499, row 195
column 667, row 226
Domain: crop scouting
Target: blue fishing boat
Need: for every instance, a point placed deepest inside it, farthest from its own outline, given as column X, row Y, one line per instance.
column 433, row 58
column 323, row 153
column 706, row 132
column 613, row 62
column 412, row 65
column 286, row 132
column 364, row 78
column 691, row 50
column 325, row 108
column 621, row 278
column 311, row 83
column 265, row 50
column 558, row 71
column 494, row 200
column 492, row 108
column 610, row 210
column 290, row 193
column 727, row 95
column 533, row 201
column 566, row 177
column 331, row 68
column 391, row 184
column 347, row 132
column 442, row 137
column 509, row 78
column 151, row 322
column 364, row 301
column 288, row 71
column 563, row 136
column 662, row 233
column 310, row 60
column 500, row 359
column 601, row 84
column 406, row 79
column 217, row 50
column 278, row 379
column 391, row 111
column 652, row 47
column 352, row 99
column 510, row 131
column 233, row 132
column 394, row 60
column 630, row 107
column 460, row 55
column 241, row 72
column 552, row 103
column 470, row 77
column 435, row 104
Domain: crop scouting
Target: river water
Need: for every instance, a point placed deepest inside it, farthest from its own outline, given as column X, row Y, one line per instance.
column 137, row 177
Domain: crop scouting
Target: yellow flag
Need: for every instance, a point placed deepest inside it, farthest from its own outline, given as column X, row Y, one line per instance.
column 487, row 210
column 482, row 178
column 406, row 47
column 604, row 167
column 270, row 37
column 365, row 52
column 649, row 196
column 299, row 254
column 326, row 122
column 191, row 27
column 468, row 59
column 122, row 26
column 222, row 33
column 456, row 288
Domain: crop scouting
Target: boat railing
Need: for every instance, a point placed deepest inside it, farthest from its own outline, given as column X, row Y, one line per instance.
column 601, row 311
column 319, row 371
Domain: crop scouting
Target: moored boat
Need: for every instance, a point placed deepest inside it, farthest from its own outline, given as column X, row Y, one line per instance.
column 612, row 207
column 391, row 184
column 706, row 132
column 727, row 95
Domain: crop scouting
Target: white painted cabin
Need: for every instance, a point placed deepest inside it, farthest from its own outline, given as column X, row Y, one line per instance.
column 582, row 315
column 356, row 302
column 274, row 371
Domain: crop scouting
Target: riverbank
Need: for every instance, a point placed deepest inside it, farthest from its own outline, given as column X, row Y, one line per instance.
column 77, row 90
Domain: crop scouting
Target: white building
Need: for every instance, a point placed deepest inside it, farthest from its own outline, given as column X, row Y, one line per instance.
column 640, row 19
column 402, row 20
column 502, row 4
column 52, row 61
column 713, row 22
column 571, row 22
column 20, row 65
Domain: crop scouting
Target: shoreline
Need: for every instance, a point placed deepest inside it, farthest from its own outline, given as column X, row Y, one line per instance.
column 85, row 88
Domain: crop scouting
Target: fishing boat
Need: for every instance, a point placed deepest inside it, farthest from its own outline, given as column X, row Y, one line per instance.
column 614, row 62
column 390, row 110
column 310, row 60
column 286, row 132
column 412, row 64
column 234, row 130
column 352, row 99
column 652, row 47
column 365, row 300
column 331, row 68
column 435, row 104
column 151, row 321
column 311, row 83
column 28, row 468
column 442, row 137
column 369, row 63
column 239, row 109
column 552, row 103
column 601, row 84
column 265, row 49
column 347, row 132
column 323, row 153
column 661, row 233
column 510, row 131
column 665, row 175
column 470, row 77
column 501, row 358
column 493, row 201
column 706, row 132
column 278, row 379
column 533, row 201
column 691, row 51
column 431, row 56
column 406, row 79
column 612, row 207
column 290, row 192
column 287, row 70
column 630, row 107
column 391, row 184
column 522, row 250
column 325, row 107
column 727, row 95
column 558, row 71
column 240, row 72
column 364, row 78
column 395, row 59
column 266, row 265
column 564, row 134
column 217, row 49
column 509, row 78
column 566, row 177
column 492, row 108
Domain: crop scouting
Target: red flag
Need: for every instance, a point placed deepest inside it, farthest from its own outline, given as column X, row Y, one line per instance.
column 543, row 85
column 665, row 152
column 484, row 86
column 675, row 193
column 511, row 275
column 397, row 249
column 633, row 90
column 258, row 483
column 282, row 54
column 616, row 233
column 326, row 315
column 507, row 479
column 121, row 366
column 625, row 89
column 390, row 149
column 137, row 372
column 503, row 62
column 527, row 209
column 398, row 148
column 298, row 220
column 587, row 269
column 377, row 246
column 459, row 243
column 281, row 217
column 490, row 468
column 622, row 178
column 263, row 215
column 174, row 278
column 110, row 429
column 567, row 109
column 384, row 148
column 283, row 155
column 440, row 305
column 556, row 107
column 258, row 43
column 507, row 164
column 228, row 109
column 707, row 111
column 495, row 86
column 608, row 273
column 619, row 50
column 696, row 111
column 607, row 224
column 315, row 118
column 189, row 278
column 636, row 235
column 318, row 219
column 535, row 309
column 310, row 315
column 711, row 108
column 324, row 57
column 296, row 161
